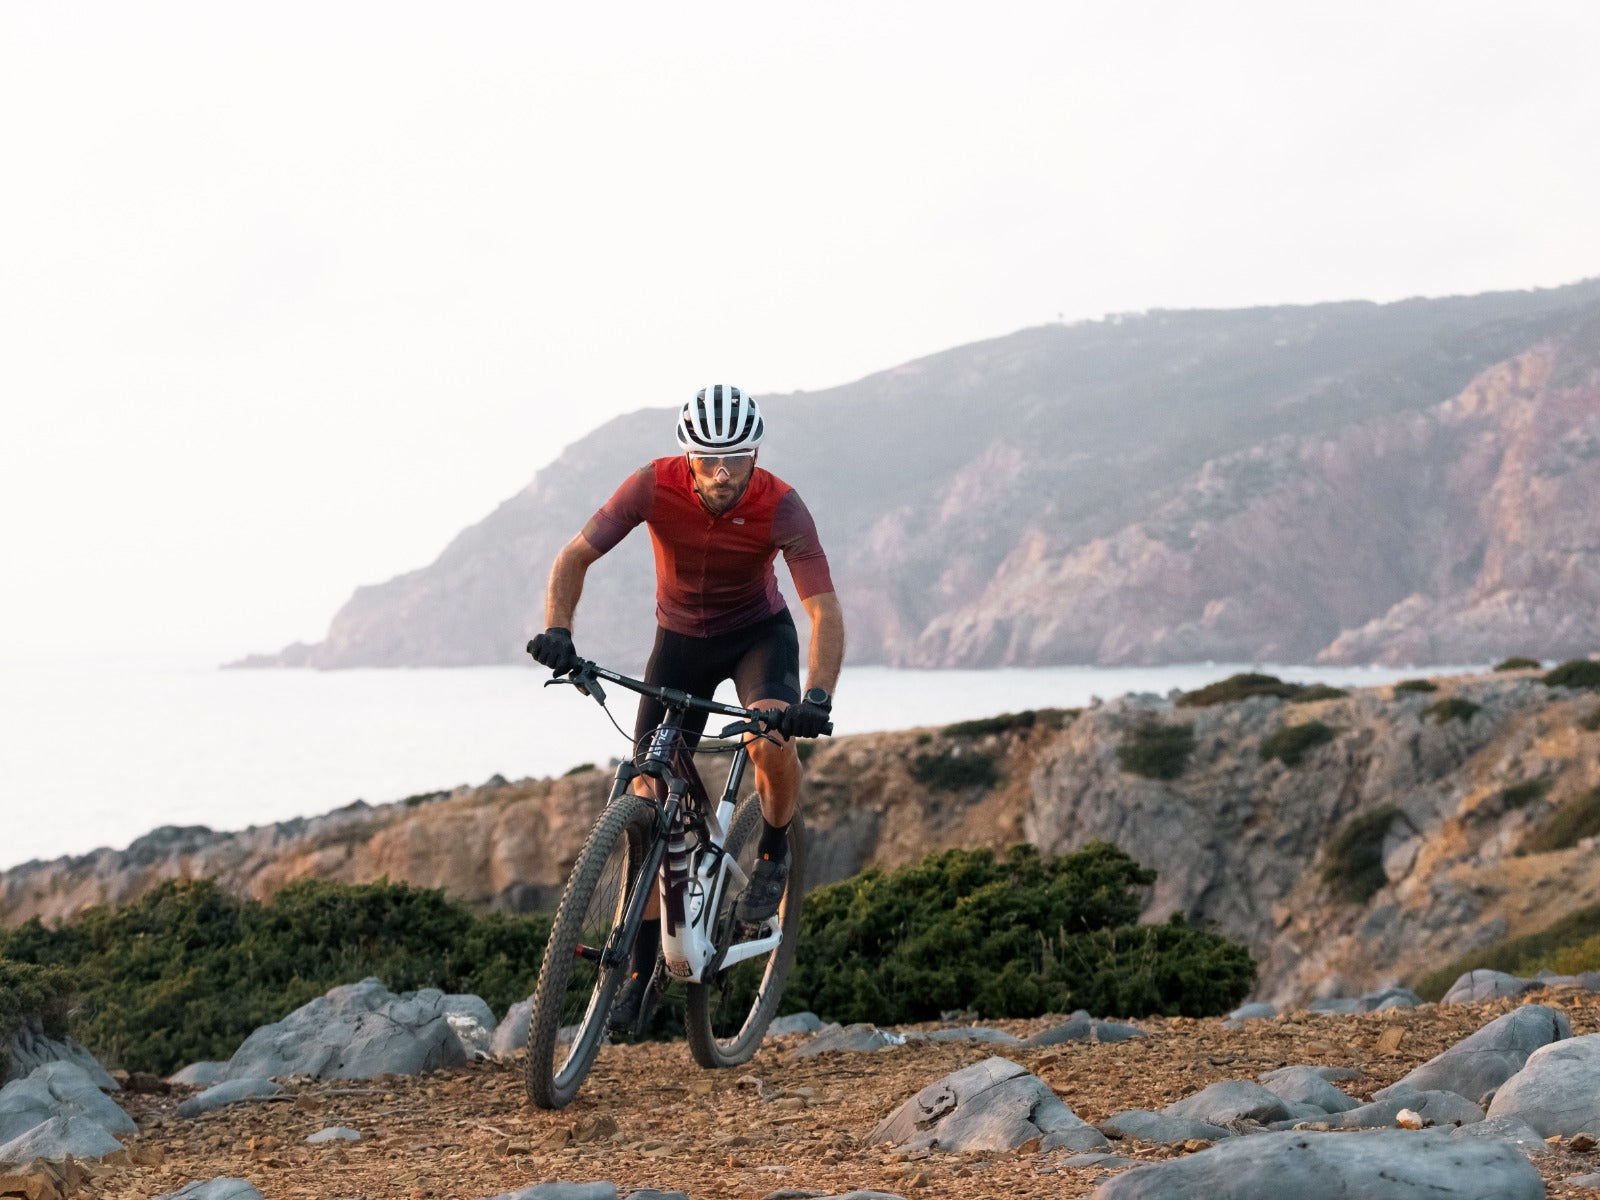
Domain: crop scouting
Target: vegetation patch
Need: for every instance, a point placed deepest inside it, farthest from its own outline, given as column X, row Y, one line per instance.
column 1518, row 664
column 1577, row 673
column 1318, row 691
column 1014, row 936
column 580, row 769
column 1156, row 750
column 1239, row 687
column 949, row 771
column 28, row 990
column 1293, row 742
column 1045, row 718
column 1568, row 825
column 1353, row 862
column 1591, row 723
column 1521, row 795
column 1566, row 947
column 1416, row 685
column 1452, row 709
column 422, row 798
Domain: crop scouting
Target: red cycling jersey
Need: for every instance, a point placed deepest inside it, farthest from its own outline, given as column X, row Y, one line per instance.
column 714, row 571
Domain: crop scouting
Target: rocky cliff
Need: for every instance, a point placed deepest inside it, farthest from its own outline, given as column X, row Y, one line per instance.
column 1407, row 482
column 1239, row 840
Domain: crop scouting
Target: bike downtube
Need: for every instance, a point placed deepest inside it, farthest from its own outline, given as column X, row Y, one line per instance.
column 633, row 916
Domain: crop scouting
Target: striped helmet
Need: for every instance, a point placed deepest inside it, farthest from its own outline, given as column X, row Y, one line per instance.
column 720, row 420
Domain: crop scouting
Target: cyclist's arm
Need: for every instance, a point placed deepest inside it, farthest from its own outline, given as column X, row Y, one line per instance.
column 566, row 582
column 827, row 641
column 627, row 508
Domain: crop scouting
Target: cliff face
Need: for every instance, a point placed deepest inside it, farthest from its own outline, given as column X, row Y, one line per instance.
column 1405, row 482
column 1238, row 841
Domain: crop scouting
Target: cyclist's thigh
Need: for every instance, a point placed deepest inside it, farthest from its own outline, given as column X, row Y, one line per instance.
column 769, row 663
column 677, row 661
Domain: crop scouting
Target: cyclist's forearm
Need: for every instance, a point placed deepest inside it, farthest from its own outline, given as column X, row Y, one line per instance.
column 566, row 582
column 827, row 641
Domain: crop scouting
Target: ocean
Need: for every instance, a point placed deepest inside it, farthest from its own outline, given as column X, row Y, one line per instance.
column 95, row 755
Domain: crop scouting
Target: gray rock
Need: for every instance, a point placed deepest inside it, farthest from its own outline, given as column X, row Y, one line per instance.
column 1591, row 1180
column 800, row 1022
column 1387, row 1165
column 200, row 1074
column 1484, row 1060
column 1116, row 1031
column 1079, row 1027
column 511, row 1034
column 59, row 1137
column 1306, row 1085
column 1343, row 1005
column 860, row 1194
column 1507, row 1129
column 230, row 1091
column 973, row 1033
column 653, row 1194
column 472, row 1021
column 1395, row 997
column 58, row 1089
column 992, row 1105
column 1108, row 1161
column 859, row 1037
column 1259, row 1011
column 1440, row 1108
column 1558, row 1092
column 1331, row 1074
column 1473, row 987
column 1230, row 1100
column 26, row 1049
column 334, row 1133
column 226, row 1188
column 562, row 1191
column 1149, row 1126
column 357, row 1031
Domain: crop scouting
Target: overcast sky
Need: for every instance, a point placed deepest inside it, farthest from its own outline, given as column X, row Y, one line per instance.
column 291, row 293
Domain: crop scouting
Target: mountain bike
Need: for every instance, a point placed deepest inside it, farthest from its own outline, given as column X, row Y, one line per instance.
column 698, row 855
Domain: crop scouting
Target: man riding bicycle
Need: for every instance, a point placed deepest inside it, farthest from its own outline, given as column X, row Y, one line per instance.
column 717, row 521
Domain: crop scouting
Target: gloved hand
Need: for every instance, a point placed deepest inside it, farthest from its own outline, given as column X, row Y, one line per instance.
column 804, row 719
column 553, row 649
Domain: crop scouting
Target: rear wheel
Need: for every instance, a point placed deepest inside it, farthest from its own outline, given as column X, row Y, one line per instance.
column 574, row 996
column 727, row 1016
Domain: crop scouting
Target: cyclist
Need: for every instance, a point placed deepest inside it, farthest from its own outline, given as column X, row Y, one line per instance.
column 717, row 522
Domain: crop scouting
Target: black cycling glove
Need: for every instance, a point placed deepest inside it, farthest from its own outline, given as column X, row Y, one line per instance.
column 553, row 649
column 804, row 719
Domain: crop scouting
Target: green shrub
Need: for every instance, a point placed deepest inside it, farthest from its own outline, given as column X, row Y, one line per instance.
column 1043, row 718
column 1567, row 826
column 580, row 769
column 949, row 771
column 1353, row 862
column 1518, row 664
column 1520, row 795
column 806, row 748
column 1416, row 685
column 1592, row 721
column 1239, row 687
column 188, row 971
column 1010, row 937
column 1293, row 742
column 1155, row 750
column 1568, row 946
column 1452, row 709
column 1318, row 691
column 1577, row 673
column 29, row 990
column 924, row 738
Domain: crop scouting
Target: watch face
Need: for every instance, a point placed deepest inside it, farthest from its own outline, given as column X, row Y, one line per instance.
column 817, row 696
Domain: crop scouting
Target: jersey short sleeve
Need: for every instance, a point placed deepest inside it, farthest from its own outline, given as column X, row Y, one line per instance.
column 628, row 506
column 795, row 533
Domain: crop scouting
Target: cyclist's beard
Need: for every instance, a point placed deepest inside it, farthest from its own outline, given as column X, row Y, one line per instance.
column 720, row 498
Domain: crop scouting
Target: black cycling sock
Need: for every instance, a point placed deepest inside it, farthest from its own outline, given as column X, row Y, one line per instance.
column 645, row 947
column 774, row 840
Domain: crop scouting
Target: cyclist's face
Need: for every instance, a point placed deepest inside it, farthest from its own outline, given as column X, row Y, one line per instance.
column 721, row 479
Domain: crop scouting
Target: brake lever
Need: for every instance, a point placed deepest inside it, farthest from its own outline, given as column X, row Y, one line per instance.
column 739, row 727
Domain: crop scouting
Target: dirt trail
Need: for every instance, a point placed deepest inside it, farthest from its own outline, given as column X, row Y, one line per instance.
column 649, row 1118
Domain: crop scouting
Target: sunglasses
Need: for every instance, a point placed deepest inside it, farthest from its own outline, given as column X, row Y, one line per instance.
column 712, row 462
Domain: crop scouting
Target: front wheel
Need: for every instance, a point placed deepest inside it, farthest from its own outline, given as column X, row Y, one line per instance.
column 727, row 1016
column 574, row 996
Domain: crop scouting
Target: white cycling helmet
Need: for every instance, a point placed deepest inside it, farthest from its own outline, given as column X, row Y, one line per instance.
column 720, row 420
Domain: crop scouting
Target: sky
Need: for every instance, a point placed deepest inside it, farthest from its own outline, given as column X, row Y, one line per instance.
column 291, row 293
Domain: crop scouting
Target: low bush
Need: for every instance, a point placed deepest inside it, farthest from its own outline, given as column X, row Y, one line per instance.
column 29, row 990
column 949, row 771
column 1293, row 742
column 1156, row 750
column 1353, row 861
column 1568, row 946
column 1567, row 826
column 1014, row 936
column 422, row 798
column 1455, row 708
column 1518, row 664
column 1044, row 718
column 1577, row 673
column 1239, row 687
column 1416, row 685
column 579, row 769
column 1591, row 723
column 1520, row 795
column 1318, row 691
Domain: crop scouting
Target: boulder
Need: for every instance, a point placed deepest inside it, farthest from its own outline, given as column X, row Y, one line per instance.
column 357, row 1031
column 1387, row 1165
column 200, row 1074
column 55, row 1139
column 1558, row 1092
column 334, row 1133
column 1484, row 1060
column 993, row 1105
column 225, row 1188
column 1591, row 1180
column 1342, row 1005
column 1116, row 1031
column 562, row 1191
column 1230, row 1100
column 26, row 1048
column 58, row 1090
column 1395, row 997
column 229, row 1091
column 859, row 1037
column 511, row 1034
column 1306, row 1085
column 472, row 1020
column 1474, row 987
column 1507, row 1129
column 801, row 1022
column 967, row 1033
column 1258, row 1011
column 1079, row 1027
column 1110, row 1162
column 1435, row 1108
column 1157, row 1127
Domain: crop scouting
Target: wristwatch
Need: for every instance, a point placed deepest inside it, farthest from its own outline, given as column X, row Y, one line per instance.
column 818, row 698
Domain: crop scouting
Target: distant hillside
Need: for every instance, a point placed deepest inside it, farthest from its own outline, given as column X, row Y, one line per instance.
column 1405, row 482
